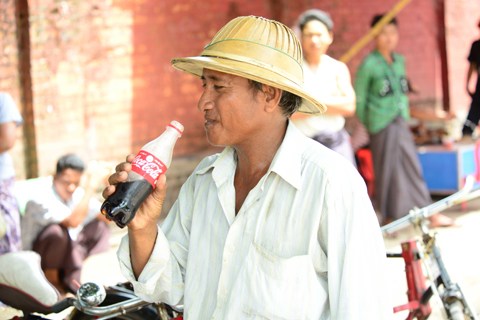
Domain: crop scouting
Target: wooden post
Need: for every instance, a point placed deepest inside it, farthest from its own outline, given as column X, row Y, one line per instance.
column 442, row 48
column 26, row 94
column 362, row 42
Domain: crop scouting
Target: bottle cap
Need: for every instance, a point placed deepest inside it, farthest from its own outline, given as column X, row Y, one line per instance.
column 177, row 126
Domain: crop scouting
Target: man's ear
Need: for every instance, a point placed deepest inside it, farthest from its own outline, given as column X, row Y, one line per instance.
column 272, row 97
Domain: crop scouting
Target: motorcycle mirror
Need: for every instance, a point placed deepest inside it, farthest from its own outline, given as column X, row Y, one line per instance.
column 91, row 294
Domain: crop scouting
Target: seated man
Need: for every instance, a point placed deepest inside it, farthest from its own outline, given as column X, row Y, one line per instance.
column 62, row 221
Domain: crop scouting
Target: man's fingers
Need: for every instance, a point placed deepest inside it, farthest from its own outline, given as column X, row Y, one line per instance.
column 124, row 166
column 130, row 158
column 117, row 177
column 108, row 191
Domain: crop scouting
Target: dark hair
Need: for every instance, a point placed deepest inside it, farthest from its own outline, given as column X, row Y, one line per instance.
column 315, row 14
column 289, row 102
column 380, row 16
column 70, row 161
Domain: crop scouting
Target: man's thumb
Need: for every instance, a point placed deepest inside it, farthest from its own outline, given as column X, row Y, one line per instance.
column 160, row 189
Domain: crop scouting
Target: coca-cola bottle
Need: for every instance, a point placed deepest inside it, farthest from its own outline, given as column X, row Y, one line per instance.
column 152, row 161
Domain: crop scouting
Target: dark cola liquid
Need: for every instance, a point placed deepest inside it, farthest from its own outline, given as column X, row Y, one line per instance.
column 122, row 205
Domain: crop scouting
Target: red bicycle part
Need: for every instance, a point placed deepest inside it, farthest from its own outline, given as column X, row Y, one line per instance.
column 415, row 282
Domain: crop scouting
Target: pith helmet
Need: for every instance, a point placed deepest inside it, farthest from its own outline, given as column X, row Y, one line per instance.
column 258, row 49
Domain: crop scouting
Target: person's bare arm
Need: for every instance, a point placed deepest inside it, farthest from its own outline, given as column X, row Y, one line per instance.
column 431, row 114
column 96, row 174
column 101, row 217
column 7, row 136
column 343, row 104
column 142, row 230
column 80, row 212
column 471, row 69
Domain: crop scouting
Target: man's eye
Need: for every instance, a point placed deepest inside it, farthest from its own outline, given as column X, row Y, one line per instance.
column 218, row 87
column 204, row 85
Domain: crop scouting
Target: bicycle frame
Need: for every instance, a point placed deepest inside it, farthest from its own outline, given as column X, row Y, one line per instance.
column 418, row 292
column 424, row 252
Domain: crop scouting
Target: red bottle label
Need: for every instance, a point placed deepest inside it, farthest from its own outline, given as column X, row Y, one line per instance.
column 148, row 166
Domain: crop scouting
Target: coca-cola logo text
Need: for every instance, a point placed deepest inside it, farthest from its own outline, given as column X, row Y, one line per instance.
column 148, row 165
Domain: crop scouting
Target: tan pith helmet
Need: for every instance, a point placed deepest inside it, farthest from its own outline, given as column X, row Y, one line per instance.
column 258, row 49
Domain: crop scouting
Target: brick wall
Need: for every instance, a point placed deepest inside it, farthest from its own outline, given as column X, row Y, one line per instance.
column 163, row 30
column 417, row 28
column 103, row 85
column 462, row 17
column 170, row 29
column 9, row 72
column 82, row 79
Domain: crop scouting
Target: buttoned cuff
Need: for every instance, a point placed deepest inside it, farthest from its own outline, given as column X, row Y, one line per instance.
column 153, row 270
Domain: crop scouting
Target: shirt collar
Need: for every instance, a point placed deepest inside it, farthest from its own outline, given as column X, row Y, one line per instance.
column 286, row 163
column 223, row 166
column 383, row 58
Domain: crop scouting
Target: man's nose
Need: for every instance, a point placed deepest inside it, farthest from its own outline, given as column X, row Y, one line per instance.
column 205, row 102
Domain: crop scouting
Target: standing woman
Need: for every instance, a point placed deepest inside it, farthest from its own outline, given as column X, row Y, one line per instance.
column 10, row 119
column 329, row 81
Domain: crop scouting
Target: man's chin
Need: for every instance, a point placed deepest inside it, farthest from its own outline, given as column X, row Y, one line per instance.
column 214, row 141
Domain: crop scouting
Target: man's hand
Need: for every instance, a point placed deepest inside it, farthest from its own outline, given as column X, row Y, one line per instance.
column 148, row 213
column 97, row 172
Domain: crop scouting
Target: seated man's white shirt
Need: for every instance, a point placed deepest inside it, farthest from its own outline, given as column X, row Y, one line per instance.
column 46, row 207
column 306, row 243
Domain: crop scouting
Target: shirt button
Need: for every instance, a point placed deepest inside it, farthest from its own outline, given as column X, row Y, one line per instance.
column 231, row 248
column 225, row 292
column 400, row 105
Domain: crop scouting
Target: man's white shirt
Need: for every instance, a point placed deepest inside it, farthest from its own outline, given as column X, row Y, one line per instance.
column 45, row 207
column 306, row 243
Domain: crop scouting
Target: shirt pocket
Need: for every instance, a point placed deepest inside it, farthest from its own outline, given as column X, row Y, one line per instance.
column 281, row 289
column 383, row 86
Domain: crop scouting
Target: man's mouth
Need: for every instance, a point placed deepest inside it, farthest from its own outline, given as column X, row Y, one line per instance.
column 209, row 121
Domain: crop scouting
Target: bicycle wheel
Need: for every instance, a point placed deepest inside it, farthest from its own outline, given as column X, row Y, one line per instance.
column 455, row 309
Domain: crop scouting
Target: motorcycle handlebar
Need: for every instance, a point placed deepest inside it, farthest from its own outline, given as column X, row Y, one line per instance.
column 113, row 309
column 416, row 214
column 62, row 305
